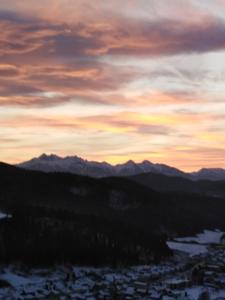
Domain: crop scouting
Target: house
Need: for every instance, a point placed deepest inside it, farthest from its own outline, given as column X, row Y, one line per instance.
column 141, row 287
column 177, row 283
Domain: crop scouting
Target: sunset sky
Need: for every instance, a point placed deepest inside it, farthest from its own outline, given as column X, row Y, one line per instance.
column 113, row 80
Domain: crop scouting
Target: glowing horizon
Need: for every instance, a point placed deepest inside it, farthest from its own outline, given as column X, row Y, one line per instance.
column 112, row 82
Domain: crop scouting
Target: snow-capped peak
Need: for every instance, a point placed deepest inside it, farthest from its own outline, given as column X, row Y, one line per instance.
column 78, row 165
column 50, row 157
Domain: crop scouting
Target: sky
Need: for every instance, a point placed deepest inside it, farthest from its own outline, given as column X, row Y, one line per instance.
column 113, row 80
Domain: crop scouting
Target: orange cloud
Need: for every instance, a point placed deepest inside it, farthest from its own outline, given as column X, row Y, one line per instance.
column 134, row 74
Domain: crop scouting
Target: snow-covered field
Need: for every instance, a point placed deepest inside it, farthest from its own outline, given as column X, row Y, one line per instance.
column 191, row 249
column 206, row 237
column 198, row 244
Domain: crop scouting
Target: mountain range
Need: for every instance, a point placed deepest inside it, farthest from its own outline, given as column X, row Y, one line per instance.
column 77, row 165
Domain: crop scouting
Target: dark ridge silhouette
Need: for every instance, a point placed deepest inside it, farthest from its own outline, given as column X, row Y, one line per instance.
column 61, row 217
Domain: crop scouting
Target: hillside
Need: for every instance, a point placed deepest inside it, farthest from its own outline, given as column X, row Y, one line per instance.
column 95, row 221
column 163, row 183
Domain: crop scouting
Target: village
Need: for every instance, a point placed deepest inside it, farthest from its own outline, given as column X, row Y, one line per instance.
column 188, row 275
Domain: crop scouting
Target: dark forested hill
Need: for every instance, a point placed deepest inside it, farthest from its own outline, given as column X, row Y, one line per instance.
column 59, row 217
column 165, row 183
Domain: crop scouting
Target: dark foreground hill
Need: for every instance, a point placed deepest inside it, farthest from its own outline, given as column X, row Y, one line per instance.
column 61, row 217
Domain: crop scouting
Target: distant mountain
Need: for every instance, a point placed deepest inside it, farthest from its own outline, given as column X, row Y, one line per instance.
column 209, row 174
column 69, row 164
column 77, row 165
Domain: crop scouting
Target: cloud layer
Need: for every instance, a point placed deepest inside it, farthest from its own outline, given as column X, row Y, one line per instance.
column 113, row 81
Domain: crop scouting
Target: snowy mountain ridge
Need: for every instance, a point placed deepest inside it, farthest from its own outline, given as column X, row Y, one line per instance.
column 80, row 166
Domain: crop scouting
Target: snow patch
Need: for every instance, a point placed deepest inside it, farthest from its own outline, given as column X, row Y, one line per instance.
column 207, row 237
column 191, row 249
